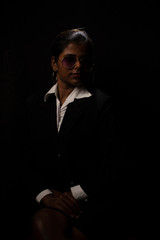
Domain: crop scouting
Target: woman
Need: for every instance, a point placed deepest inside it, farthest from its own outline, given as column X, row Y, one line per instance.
column 74, row 152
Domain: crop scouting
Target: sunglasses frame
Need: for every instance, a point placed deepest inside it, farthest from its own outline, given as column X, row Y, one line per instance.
column 80, row 60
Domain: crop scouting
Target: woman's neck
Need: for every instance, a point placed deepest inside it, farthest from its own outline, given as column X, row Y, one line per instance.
column 63, row 92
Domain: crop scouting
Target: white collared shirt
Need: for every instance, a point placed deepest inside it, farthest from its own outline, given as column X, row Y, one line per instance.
column 77, row 93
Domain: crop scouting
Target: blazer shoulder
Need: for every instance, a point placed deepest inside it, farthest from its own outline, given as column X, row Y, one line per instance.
column 101, row 97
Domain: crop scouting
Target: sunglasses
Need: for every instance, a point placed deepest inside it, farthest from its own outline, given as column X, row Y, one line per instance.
column 69, row 62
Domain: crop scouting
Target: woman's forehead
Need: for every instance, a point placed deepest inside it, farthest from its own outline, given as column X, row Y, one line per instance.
column 75, row 49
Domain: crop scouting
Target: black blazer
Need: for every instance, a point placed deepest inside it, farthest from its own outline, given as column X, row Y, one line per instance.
column 87, row 150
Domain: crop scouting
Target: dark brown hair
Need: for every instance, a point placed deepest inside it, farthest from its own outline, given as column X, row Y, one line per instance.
column 66, row 37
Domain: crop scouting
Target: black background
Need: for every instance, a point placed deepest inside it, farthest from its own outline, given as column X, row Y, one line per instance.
column 126, row 36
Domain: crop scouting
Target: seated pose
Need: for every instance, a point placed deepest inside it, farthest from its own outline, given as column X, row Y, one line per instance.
column 72, row 158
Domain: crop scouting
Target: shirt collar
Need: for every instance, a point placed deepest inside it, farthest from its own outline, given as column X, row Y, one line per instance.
column 78, row 92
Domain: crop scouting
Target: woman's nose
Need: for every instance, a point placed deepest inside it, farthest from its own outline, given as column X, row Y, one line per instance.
column 78, row 64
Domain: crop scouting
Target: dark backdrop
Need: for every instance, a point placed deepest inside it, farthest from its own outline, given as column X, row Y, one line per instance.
column 126, row 37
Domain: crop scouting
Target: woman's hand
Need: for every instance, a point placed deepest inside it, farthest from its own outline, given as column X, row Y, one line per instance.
column 64, row 202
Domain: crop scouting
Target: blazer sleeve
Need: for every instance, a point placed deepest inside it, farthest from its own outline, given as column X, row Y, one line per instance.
column 106, row 183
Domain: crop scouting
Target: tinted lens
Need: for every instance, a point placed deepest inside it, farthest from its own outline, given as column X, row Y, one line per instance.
column 68, row 62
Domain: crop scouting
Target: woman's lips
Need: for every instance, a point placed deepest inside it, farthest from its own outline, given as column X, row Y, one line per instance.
column 76, row 75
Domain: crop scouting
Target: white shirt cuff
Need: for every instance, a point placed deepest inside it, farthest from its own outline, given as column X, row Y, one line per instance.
column 42, row 194
column 78, row 193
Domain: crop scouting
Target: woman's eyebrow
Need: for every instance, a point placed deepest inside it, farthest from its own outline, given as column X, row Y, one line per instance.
column 69, row 55
column 74, row 55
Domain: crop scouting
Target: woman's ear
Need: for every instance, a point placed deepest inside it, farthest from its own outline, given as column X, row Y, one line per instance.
column 54, row 64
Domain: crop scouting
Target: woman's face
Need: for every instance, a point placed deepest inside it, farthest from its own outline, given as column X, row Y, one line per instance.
column 72, row 65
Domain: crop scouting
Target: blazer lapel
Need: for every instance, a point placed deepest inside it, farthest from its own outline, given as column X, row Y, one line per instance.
column 50, row 115
column 73, row 113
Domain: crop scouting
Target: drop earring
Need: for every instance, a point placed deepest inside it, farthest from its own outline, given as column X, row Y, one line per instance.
column 54, row 77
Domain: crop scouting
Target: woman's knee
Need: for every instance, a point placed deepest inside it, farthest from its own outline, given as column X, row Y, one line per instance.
column 49, row 224
column 38, row 223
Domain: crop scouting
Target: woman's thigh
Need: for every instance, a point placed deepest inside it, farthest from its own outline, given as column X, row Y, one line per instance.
column 52, row 224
